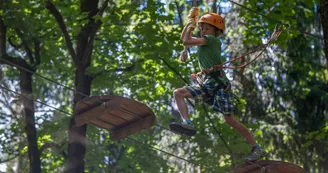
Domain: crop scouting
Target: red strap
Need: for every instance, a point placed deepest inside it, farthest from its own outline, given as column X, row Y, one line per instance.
column 274, row 36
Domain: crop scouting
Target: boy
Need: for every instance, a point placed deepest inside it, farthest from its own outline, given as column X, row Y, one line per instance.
column 215, row 89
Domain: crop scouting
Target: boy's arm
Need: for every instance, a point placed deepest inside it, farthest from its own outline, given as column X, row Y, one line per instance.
column 184, row 31
column 192, row 41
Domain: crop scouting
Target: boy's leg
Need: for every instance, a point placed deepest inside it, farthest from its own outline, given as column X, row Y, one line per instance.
column 257, row 151
column 186, row 127
column 180, row 94
column 224, row 104
column 241, row 129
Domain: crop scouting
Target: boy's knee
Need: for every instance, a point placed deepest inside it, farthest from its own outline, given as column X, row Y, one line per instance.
column 178, row 92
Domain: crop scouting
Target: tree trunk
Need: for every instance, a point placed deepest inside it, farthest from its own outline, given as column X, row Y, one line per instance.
column 28, row 103
column 324, row 23
column 77, row 135
column 28, row 112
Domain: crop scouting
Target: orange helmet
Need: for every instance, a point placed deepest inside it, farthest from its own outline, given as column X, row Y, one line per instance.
column 213, row 19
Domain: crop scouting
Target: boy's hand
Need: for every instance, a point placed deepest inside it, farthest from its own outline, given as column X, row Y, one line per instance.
column 191, row 25
column 193, row 12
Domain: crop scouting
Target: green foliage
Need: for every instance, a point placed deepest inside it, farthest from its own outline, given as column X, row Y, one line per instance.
column 283, row 95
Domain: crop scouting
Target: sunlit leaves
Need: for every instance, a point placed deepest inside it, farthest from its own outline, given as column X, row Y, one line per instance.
column 135, row 54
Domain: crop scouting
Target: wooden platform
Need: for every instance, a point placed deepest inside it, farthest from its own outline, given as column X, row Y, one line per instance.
column 122, row 116
column 266, row 166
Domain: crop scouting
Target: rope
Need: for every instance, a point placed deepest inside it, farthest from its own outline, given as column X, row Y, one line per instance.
column 194, row 3
column 274, row 36
column 193, row 13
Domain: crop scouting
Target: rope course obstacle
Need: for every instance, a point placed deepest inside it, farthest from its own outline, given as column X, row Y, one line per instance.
column 120, row 115
column 266, row 166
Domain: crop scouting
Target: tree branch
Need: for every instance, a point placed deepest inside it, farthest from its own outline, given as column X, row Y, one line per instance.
column 9, row 60
column 19, row 63
column 60, row 21
column 25, row 45
column 214, row 8
column 55, row 146
column 103, row 7
column 126, row 69
column 179, row 13
column 96, row 24
column 9, row 159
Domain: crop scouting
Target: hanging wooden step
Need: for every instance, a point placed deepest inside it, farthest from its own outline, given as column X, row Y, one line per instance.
column 122, row 116
column 261, row 166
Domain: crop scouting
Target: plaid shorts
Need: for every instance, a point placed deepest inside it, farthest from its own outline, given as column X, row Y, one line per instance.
column 223, row 101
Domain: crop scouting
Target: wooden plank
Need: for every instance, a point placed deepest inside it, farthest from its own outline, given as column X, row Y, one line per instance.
column 113, row 119
column 102, row 124
column 270, row 165
column 290, row 168
column 90, row 102
column 133, row 127
column 95, row 112
column 139, row 109
column 123, row 115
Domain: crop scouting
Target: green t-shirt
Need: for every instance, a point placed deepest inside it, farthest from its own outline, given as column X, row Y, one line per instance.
column 209, row 54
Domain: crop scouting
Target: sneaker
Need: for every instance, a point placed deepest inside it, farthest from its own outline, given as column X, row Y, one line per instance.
column 187, row 125
column 255, row 154
column 183, row 128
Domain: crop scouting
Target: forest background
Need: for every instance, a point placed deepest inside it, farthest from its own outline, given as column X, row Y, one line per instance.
column 54, row 53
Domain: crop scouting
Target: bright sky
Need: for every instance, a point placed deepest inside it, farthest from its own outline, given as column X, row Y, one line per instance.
column 3, row 167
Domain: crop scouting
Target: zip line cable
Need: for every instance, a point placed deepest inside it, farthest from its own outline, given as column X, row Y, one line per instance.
column 194, row 163
column 57, row 83
column 15, row 92
column 129, row 138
